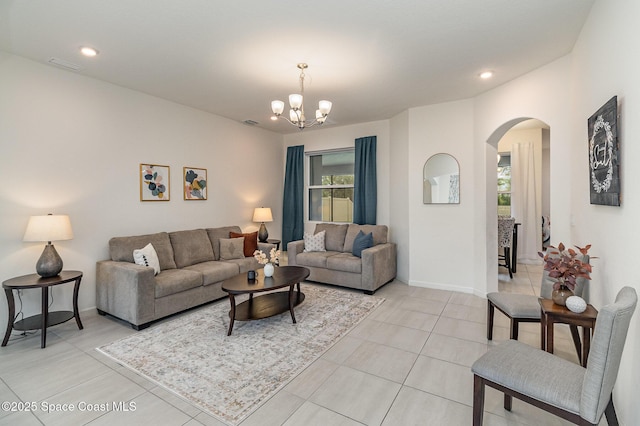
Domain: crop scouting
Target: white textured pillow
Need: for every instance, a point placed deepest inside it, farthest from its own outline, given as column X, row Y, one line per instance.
column 231, row 248
column 314, row 242
column 147, row 256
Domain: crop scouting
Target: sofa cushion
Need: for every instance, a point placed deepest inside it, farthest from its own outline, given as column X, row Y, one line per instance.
column 245, row 264
column 334, row 237
column 317, row 259
column 175, row 281
column 314, row 242
column 363, row 241
column 148, row 257
column 379, row 235
column 250, row 242
column 216, row 233
column 231, row 248
column 345, row 262
column 215, row 271
column 121, row 248
column 191, row 247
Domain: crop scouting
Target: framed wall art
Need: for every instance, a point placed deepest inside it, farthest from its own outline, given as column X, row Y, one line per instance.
column 194, row 183
column 154, row 182
column 604, row 177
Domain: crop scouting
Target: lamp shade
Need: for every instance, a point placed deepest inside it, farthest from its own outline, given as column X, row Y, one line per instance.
column 48, row 228
column 262, row 214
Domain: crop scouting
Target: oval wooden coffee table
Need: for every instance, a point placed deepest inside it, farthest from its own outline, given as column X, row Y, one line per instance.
column 269, row 304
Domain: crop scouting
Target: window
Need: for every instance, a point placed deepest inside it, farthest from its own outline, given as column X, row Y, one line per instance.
column 331, row 186
column 504, row 184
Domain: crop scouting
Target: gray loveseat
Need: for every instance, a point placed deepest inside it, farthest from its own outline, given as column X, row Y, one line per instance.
column 337, row 265
column 191, row 274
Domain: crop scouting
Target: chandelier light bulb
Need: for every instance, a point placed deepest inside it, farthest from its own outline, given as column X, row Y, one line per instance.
column 293, row 116
column 295, row 101
column 324, row 107
column 277, row 107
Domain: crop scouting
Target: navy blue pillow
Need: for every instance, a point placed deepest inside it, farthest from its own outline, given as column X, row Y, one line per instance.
column 362, row 242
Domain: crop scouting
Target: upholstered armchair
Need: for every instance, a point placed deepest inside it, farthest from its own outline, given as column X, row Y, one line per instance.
column 525, row 307
column 580, row 395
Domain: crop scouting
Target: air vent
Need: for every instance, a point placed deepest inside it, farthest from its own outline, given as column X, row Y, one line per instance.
column 250, row 122
column 64, row 64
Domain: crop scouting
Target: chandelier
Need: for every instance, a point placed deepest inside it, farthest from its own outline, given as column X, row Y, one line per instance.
column 296, row 113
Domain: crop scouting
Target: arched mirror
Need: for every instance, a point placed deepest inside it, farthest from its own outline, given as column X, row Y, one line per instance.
column 441, row 180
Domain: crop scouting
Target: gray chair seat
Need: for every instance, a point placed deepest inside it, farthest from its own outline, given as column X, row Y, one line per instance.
column 516, row 305
column 533, row 372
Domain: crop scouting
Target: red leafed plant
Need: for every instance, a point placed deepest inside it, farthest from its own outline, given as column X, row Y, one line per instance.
column 564, row 266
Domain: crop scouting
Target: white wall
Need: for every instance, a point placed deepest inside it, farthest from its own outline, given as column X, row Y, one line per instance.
column 605, row 63
column 399, row 195
column 344, row 137
column 72, row 145
column 542, row 94
column 441, row 233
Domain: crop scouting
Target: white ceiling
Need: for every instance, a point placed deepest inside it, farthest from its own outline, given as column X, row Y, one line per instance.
column 372, row 58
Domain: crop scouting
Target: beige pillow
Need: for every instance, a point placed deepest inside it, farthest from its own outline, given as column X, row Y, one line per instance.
column 231, row 248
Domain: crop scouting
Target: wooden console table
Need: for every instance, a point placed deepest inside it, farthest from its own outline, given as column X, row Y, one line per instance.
column 45, row 318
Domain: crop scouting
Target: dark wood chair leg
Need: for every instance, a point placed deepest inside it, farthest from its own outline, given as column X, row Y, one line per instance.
column 478, row 400
column 610, row 413
column 507, row 256
column 508, row 401
column 490, row 312
column 514, row 329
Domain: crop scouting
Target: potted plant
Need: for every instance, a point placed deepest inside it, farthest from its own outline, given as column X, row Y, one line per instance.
column 565, row 267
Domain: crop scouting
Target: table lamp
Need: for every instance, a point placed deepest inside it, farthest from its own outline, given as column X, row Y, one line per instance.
column 262, row 214
column 49, row 228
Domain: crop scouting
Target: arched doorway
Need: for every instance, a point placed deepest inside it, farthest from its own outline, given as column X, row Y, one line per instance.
column 529, row 168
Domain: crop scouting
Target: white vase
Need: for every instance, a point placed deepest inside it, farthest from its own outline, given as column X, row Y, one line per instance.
column 268, row 270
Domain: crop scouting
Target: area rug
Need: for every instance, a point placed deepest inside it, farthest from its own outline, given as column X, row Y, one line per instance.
column 231, row 376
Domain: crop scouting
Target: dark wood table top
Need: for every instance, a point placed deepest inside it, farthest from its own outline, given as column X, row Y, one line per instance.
column 283, row 276
column 557, row 311
column 36, row 281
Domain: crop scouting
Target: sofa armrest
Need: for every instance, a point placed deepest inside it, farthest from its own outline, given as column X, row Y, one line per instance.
column 293, row 249
column 378, row 265
column 126, row 291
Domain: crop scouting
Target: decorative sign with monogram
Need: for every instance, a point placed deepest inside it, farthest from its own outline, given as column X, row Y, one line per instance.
column 603, row 155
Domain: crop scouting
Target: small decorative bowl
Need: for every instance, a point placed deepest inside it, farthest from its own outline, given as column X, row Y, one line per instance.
column 576, row 304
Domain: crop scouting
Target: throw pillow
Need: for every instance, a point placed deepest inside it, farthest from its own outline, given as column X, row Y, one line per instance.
column 231, row 248
column 147, row 256
column 363, row 241
column 250, row 242
column 314, row 242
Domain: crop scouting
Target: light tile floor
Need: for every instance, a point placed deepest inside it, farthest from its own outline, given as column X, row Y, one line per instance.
column 406, row 364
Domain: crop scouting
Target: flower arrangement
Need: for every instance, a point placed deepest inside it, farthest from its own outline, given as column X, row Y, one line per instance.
column 563, row 265
column 262, row 259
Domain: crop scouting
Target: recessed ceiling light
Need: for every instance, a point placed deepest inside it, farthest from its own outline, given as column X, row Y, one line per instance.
column 486, row 74
column 274, row 118
column 88, row 51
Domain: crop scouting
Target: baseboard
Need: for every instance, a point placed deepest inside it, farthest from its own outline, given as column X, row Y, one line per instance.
column 447, row 287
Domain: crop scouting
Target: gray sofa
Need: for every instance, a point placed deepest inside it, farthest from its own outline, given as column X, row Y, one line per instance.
column 339, row 266
column 191, row 274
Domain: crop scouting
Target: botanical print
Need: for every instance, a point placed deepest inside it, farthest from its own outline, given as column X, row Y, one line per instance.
column 154, row 182
column 195, row 183
column 603, row 155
